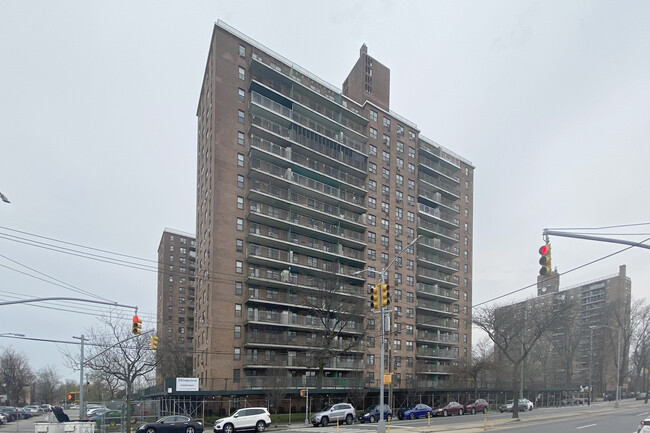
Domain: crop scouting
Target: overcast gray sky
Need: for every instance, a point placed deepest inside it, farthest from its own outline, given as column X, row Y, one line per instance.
column 550, row 100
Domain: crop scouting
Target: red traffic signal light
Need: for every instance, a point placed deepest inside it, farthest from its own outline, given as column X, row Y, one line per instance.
column 545, row 260
column 136, row 328
column 69, row 397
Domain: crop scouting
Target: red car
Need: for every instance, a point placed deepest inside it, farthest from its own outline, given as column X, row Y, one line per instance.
column 452, row 408
column 479, row 405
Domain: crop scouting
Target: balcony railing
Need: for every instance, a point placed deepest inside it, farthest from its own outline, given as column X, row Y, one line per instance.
column 435, row 352
column 436, row 322
column 433, row 305
column 437, row 337
column 443, row 185
column 437, row 213
column 437, row 291
column 437, row 229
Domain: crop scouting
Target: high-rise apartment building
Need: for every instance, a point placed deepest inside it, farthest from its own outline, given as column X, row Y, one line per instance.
column 302, row 186
column 175, row 306
column 583, row 348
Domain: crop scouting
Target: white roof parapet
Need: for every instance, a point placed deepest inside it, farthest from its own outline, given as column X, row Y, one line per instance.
column 179, row 232
column 444, row 149
column 272, row 53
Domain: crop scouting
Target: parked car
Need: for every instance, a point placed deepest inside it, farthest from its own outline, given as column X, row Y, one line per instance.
column 173, row 424
column 418, row 411
column 641, row 396
column 523, row 406
column 33, row 409
column 452, row 408
column 250, row 418
column 372, row 414
column 530, row 405
column 479, row 405
column 341, row 412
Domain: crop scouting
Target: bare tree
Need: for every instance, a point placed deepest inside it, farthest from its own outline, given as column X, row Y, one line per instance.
column 15, row 373
column 276, row 384
column 47, row 383
column 173, row 361
column 115, row 352
column 516, row 328
column 338, row 317
column 566, row 342
column 357, row 390
column 640, row 344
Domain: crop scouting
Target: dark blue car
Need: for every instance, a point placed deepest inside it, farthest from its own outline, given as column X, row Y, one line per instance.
column 372, row 414
column 419, row 411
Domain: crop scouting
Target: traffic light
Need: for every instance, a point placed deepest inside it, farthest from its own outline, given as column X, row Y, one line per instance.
column 374, row 297
column 154, row 342
column 385, row 294
column 545, row 259
column 69, row 397
column 137, row 326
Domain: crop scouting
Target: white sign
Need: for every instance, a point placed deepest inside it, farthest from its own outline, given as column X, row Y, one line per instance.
column 187, row 384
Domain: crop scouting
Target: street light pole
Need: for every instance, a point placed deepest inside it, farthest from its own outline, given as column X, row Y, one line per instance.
column 381, row 424
column 591, row 352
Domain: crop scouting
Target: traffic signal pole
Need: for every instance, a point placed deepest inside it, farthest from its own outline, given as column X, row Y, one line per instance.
column 547, row 233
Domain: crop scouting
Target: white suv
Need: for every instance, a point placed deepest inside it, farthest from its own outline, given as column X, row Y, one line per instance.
column 250, row 418
column 341, row 412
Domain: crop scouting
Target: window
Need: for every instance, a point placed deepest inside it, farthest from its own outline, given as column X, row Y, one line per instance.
column 240, row 202
column 237, row 310
column 372, row 237
column 409, row 264
column 240, row 159
column 239, row 267
column 372, row 150
column 409, row 346
column 464, row 338
column 240, row 181
column 372, row 185
column 373, row 133
column 399, row 180
column 398, row 278
column 237, row 354
column 372, row 220
column 241, row 116
column 409, row 312
column 385, row 156
column 399, row 196
column 372, row 254
column 370, row 341
column 239, row 245
column 386, row 122
column 384, row 223
column 372, row 202
column 409, row 280
column 386, row 140
column 373, row 115
column 238, row 288
column 384, row 241
column 397, row 344
column 240, row 224
column 398, row 231
column 242, row 73
column 372, row 167
column 400, row 147
column 384, row 207
column 241, row 95
column 237, row 332
column 410, row 297
column 400, row 163
column 411, row 167
column 398, row 295
column 410, row 217
column 371, row 323
column 400, row 129
column 399, row 213
column 411, row 135
column 240, row 138
column 242, row 51
column 236, row 375
column 411, row 152
column 411, row 184
column 385, row 190
column 384, row 257
column 409, row 329
column 398, row 361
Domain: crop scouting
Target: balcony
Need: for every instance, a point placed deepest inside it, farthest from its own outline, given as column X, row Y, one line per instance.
column 432, row 260
column 293, row 340
column 437, row 277
column 443, row 185
column 437, row 230
column 445, row 250
column 436, row 307
column 300, row 360
column 437, row 292
column 429, row 352
column 436, row 322
column 428, row 367
column 272, row 277
column 438, row 337
column 437, row 198
column 436, row 214
column 440, row 168
column 311, row 163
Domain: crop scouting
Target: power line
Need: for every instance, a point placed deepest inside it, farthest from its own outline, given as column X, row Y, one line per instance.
column 560, row 274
